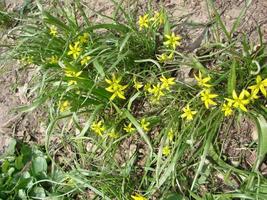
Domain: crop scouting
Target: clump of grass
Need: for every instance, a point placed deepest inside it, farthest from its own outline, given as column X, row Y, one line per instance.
column 108, row 83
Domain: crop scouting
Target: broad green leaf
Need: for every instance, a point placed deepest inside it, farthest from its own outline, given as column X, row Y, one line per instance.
column 39, row 165
column 174, row 196
column 18, row 162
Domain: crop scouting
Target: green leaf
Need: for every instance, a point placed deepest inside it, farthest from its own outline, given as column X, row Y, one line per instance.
column 262, row 147
column 5, row 166
column 39, row 165
column 39, row 192
column 19, row 162
column 124, row 42
column 55, row 21
column 232, row 79
column 197, row 65
column 28, row 108
column 174, row 196
column 139, row 129
column 22, row 194
column 90, row 120
column 99, row 68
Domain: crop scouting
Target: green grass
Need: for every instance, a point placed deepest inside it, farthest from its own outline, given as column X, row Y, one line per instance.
column 81, row 160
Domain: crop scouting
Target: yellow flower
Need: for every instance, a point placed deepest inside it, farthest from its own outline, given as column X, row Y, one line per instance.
column 253, row 95
column 166, row 82
column 84, row 38
column 72, row 74
column 113, row 134
column 145, row 124
column 63, row 106
column 240, row 101
column 227, row 109
column 128, row 128
column 188, row 113
column 207, row 96
column 115, row 87
column 166, row 151
column 172, row 40
column 138, row 197
column 165, row 58
column 53, row 31
column 158, row 18
column 157, row 91
column 53, row 60
column 75, row 50
column 137, row 84
column 85, row 60
column 98, row 128
column 147, row 87
column 143, row 21
column 170, row 135
column 260, row 86
column 203, row 82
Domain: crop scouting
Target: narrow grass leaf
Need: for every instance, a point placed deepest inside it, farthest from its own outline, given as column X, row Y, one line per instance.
column 232, row 79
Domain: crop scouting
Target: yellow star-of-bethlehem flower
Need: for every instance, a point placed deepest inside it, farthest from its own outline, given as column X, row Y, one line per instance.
column 128, row 128
column 166, row 82
column 158, row 18
column 27, row 59
column 72, row 74
column 84, row 38
column 115, row 87
column 227, row 109
column 85, row 60
column 166, row 151
column 143, row 21
column 98, row 128
column 188, row 113
column 147, row 87
column 75, row 50
column 113, row 134
column 260, row 86
column 170, row 135
column 53, row 60
column 156, row 91
column 172, row 40
column 63, row 106
column 138, row 197
column 137, row 85
column 201, row 81
column 239, row 101
column 53, row 31
column 145, row 124
column 164, row 57
column 207, row 96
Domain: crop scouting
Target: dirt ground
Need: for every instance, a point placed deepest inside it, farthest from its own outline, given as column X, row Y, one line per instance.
column 14, row 81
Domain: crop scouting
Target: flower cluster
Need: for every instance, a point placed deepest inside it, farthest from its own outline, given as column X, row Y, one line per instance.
column 171, row 42
column 158, row 90
column 99, row 128
column 155, row 21
column 76, row 50
column 73, row 75
column 237, row 101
